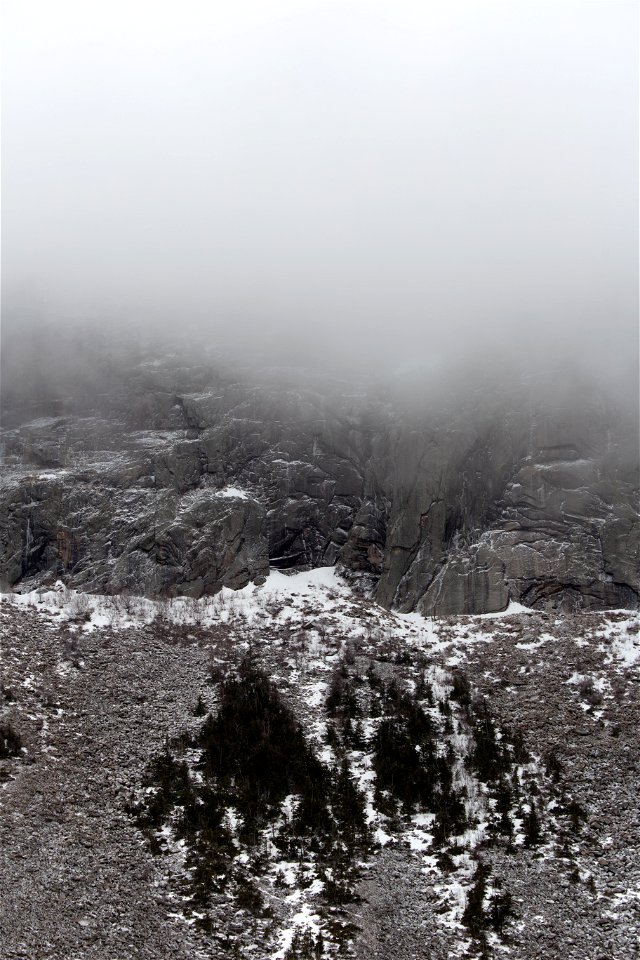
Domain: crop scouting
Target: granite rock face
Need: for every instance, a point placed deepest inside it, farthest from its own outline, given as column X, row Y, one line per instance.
column 179, row 480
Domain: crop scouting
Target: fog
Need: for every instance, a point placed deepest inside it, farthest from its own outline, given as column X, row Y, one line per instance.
column 394, row 184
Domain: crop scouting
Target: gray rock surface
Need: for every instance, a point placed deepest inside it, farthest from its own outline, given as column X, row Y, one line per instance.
column 175, row 479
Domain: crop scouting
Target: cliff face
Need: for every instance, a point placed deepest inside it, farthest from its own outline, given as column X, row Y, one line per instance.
column 177, row 480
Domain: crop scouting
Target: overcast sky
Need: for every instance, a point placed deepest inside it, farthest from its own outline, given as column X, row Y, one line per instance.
column 400, row 177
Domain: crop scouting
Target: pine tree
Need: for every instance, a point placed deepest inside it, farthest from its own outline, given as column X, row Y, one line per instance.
column 531, row 826
column 500, row 910
column 474, row 917
column 10, row 741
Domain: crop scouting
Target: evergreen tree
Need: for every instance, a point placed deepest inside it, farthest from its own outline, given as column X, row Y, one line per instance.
column 531, row 825
column 474, row 917
column 349, row 808
column 10, row 741
column 488, row 756
column 500, row 910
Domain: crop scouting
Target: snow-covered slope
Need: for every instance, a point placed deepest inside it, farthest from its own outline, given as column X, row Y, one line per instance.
column 97, row 688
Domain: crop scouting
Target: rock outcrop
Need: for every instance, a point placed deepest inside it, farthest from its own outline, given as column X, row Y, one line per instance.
column 177, row 480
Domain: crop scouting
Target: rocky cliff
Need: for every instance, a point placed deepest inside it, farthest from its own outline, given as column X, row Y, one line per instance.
column 161, row 477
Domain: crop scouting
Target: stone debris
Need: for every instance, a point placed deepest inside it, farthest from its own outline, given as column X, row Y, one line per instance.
column 94, row 705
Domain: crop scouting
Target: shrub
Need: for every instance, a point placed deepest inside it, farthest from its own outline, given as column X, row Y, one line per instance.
column 553, row 766
column 461, row 690
column 200, row 708
column 79, row 607
column 10, row 741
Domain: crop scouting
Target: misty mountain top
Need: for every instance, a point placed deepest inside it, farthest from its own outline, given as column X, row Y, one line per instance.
column 67, row 364
column 358, row 186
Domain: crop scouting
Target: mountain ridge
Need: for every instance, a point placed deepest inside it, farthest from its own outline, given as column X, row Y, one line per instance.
column 441, row 502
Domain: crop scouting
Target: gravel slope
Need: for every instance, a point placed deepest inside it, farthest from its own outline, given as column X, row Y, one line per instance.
column 78, row 883
column 94, row 705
